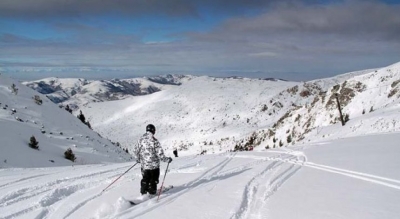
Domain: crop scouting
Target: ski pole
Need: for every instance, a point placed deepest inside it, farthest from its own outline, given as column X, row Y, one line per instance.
column 119, row 177
column 162, row 184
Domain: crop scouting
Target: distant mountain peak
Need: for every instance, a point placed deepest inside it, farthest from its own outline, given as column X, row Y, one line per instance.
column 79, row 91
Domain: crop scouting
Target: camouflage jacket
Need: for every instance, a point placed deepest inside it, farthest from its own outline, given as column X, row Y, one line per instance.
column 148, row 152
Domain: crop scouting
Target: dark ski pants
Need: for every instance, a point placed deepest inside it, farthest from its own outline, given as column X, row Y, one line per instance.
column 149, row 181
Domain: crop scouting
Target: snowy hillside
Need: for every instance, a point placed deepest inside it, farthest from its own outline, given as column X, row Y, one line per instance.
column 219, row 114
column 326, row 170
column 56, row 130
column 200, row 112
column 370, row 101
column 347, row 178
column 76, row 92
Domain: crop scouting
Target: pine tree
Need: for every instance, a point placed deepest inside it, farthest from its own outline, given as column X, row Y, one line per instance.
column 88, row 124
column 81, row 117
column 68, row 109
column 289, row 139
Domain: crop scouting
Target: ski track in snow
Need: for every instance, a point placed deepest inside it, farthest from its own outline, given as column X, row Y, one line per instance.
column 54, row 191
column 209, row 175
column 384, row 181
column 212, row 174
column 79, row 205
column 270, row 174
column 23, row 180
column 38, row 189
column 266, row 183
column 358, row 175
column 255, row 195
column 93, row 197
column 216, row 173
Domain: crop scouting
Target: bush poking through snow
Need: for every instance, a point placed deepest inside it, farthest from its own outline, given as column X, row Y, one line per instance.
column 33, row 143
column 68, row 154
column 88, row 124
column 37, row 100
column 264, row 108
column 289, row 139
column 305, row 93
column 392, row 93
column 68, row 109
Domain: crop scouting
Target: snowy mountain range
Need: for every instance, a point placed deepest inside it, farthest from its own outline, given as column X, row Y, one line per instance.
column 25, row 113
column 76, row 92
column 220, row 114
column 323, row 170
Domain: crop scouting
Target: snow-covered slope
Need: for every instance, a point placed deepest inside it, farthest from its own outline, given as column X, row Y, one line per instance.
column 347, row 178
column 370, row 100
column 76, row 92
column 203, row 111
column 55, row 129
column 331, row 171
column 218, row 114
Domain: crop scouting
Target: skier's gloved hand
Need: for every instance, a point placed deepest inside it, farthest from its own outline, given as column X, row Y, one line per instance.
column 169, row 159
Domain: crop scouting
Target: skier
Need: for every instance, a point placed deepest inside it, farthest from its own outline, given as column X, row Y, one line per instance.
column 175, row 151
column 148, row 153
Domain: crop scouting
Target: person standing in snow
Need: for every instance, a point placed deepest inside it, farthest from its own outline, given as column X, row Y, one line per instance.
column 148, row 153
column 175, row 151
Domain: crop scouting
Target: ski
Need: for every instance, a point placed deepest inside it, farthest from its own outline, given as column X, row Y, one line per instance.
column 148, row 197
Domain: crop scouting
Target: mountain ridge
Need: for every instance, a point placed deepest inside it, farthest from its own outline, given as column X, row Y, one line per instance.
column 233, row 114
column 79, row 91
column 221, row 114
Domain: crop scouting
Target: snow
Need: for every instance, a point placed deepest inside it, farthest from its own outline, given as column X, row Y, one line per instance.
column 346, row 178
column 62, row 131
column 335, row 171
column 202, row 109
column 228, row 111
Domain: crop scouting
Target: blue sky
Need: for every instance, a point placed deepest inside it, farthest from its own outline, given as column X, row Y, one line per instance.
column 290, row 39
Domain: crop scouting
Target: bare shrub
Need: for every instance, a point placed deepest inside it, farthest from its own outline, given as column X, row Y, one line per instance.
column 305, row 93
column 37, row 100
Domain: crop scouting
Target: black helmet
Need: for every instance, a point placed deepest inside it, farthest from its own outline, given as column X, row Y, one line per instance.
column 151, row 128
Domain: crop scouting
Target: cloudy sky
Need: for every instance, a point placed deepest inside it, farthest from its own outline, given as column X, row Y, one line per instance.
column 289, row 39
